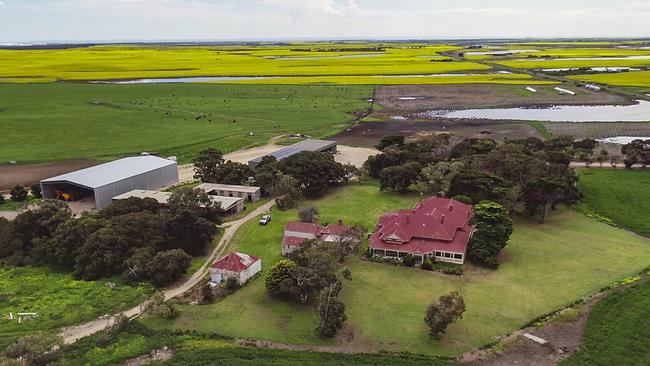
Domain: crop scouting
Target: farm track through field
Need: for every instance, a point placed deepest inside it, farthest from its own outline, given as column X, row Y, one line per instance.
column 74, row 333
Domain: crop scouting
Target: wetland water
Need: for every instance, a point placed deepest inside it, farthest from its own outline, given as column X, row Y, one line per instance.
column 639, row 112
column 207, row 79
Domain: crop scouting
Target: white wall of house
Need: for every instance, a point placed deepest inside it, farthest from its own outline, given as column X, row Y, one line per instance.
column 440, row 256
column 219, row 275
column 298, row 234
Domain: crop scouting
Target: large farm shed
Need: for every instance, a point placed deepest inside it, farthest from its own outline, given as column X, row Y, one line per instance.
column 306, row 145
column 105, row 181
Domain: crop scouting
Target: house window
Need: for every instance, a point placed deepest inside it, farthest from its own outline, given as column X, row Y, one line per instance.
column 438, row 254
column 402, row 254
column 458, row 256
column 391, row 253
column 379, row 252
column 447, row 255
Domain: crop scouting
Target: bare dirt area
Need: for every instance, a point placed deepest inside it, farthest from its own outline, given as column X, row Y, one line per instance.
column 345, row 155
column 367, row 134
column 10, row 175
column 563, row 334
column 459, row 96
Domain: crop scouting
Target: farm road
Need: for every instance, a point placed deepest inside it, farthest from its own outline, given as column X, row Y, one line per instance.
column 73, row 333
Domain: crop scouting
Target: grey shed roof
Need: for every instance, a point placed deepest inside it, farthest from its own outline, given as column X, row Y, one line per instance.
column 305, row 145
column 114, row 171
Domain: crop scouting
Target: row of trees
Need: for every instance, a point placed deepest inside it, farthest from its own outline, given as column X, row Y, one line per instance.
column 306, row 173
column 134, row 237
column 525, row 176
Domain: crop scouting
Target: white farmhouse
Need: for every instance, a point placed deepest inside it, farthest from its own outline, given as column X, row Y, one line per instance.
column 237, row 265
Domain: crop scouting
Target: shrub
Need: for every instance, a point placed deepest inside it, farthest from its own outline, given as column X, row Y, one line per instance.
column 2, row 198
column 448, row 268
column 277, row 274
column 19, row 193
column 36, row 190
column 427, row 265
column 231, row 284
column 309, row 214
column 408, row 260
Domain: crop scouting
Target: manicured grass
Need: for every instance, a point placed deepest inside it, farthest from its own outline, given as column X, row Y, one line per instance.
column 633, row 78
column 45, row 122
column 620, row 195
column 617, row 331
column 58, row 299
column 11, row 205
column 545, row 267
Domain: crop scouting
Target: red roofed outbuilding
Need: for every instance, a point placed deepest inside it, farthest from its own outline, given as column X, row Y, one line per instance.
column 436, row 228
column 238, row 265
column 296, row 232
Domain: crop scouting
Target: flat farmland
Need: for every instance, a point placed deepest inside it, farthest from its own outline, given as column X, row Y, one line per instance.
column 130, row 62
column 59, row 121
column 416, row 97
column 633, row 78
column 385, row 304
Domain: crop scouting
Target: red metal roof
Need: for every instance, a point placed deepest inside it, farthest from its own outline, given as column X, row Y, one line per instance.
column 302, row 227
column 235, row 262
column 292, row 241
column 435, row 224
column 310, row 229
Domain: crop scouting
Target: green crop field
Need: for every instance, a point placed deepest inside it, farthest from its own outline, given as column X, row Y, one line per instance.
column 634, row 78
column 128, row 62
column 620, row 195
column 56, row 121
column 385, row 304
column 560, row 64
column 58, row 299
column 617, row 331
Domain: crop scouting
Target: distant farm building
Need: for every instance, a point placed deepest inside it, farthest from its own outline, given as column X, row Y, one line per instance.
column 250, row 194
column 593, row 87
column 235, row 265
column 436, row 228
column 103, row 182
column 295, row 233
column 306, row 145
column 564, row 91
column 230, row 205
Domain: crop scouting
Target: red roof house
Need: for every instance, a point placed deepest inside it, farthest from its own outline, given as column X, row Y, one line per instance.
column 436, row 228
column 295, row 233
column 238, row 265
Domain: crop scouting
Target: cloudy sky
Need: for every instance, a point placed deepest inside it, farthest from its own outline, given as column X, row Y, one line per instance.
column 86, row 20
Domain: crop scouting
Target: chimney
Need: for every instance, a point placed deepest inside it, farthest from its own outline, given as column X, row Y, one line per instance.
column 442, row 219
column 451, row 207
column 407, row 218
column 340, row 222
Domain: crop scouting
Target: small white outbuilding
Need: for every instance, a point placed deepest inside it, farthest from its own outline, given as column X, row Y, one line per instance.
column 238, row 265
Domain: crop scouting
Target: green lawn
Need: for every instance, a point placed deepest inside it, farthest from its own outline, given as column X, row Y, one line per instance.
column 11, row 205
column 55, row 121
column 620, row 195
column 617, row 331
column 544, row 268
column 58, row 299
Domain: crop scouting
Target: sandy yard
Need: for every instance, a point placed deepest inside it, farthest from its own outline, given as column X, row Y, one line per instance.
column 345, row 155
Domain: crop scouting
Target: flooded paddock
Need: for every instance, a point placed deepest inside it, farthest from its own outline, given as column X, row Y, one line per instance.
column 639, row 112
